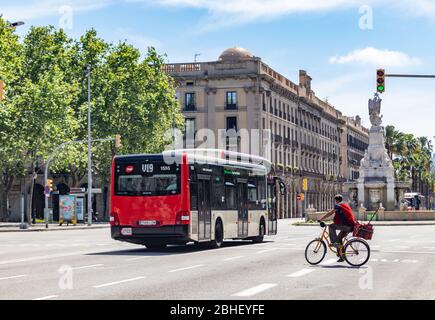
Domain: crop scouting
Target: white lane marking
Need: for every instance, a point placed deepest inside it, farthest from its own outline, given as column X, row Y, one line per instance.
column 234, row 258
column 409, row 261
column 51, row 256
column 13, row 277
column 117, row 282
column 267, row 250
column 374, row 260
column 430, row 248
column 396, row 260
column 255, row 290
column 137, row 258
column 384, row 260
column 300, row 273
column 187, row 268
column 46, row 298
column 87, row 267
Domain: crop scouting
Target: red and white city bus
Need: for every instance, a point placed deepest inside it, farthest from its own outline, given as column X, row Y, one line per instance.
column 186, row 196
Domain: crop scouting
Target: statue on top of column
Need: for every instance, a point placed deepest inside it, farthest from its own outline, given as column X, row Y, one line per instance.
column 375, row 111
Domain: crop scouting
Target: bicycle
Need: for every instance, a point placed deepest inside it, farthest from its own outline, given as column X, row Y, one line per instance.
column 354, row 250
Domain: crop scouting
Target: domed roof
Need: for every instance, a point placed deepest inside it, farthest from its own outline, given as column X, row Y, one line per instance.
column 235, row 54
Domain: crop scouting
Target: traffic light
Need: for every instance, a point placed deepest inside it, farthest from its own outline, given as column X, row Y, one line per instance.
column 380, row 80
column 49, row 184
column 2, row 90
column 118, row 141
column 305, row 184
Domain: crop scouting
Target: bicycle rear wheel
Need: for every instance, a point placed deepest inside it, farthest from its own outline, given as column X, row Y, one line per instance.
column 315, row 251
column 357, row 252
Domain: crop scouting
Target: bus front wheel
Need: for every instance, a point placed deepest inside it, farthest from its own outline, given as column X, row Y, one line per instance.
column 218, row 236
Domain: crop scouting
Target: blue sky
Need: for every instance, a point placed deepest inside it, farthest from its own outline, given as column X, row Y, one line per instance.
column 323, row 37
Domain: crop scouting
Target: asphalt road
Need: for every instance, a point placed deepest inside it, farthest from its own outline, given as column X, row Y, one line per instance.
column 88, row 264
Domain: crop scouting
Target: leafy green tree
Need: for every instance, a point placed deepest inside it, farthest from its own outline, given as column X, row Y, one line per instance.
column 46, row 104
column 12, row 146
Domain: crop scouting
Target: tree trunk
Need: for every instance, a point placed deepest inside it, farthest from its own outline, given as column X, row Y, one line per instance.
column 3, row 205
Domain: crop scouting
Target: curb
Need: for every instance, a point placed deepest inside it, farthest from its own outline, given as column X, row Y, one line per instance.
column 386, row 224
column 55, row 229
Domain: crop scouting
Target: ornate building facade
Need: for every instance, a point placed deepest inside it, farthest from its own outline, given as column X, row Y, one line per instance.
column 310, row 146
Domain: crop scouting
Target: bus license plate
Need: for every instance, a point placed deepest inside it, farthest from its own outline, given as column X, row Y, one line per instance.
column 126, row 231
column 148, row 223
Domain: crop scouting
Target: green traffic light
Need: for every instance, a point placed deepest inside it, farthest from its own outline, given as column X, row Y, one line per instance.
column 381, row 88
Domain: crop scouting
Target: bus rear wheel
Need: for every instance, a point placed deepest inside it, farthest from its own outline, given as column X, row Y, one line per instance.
column 155, row 246
column 218, row 236
column 262, row 232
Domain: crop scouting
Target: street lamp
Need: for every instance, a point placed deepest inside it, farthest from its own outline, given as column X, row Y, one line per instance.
column 16, row 24
column 88, row 74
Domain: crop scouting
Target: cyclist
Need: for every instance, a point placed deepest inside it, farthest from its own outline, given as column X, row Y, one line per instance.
column 343, row 221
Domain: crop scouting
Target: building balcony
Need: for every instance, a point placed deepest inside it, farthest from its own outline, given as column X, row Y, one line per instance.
column 287, row 142
column 277, row 138
column 190, row 107
column 182, row 68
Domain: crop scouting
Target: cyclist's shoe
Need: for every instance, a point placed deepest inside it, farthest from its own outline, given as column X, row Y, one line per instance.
column 341, row 259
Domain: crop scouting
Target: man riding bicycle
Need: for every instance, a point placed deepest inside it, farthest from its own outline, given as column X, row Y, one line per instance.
column 343, row 221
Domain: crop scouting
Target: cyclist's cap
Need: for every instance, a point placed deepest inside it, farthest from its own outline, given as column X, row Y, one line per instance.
column 338, row 197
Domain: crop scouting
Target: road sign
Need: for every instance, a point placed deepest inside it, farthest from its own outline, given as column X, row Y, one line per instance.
column 300, row 197
column 305, row 184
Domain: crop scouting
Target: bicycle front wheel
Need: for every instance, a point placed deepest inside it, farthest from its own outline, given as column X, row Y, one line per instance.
column 315, row 251
column 357, row 252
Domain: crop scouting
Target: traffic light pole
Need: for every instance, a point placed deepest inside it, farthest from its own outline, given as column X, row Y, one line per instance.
column 410, row 75
column 47, row 166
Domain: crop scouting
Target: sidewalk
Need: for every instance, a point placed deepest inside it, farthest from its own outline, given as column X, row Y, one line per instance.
column 15, row 227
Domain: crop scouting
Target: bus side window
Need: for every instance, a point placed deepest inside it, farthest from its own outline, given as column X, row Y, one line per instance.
column 218, row 190
column 230, row 194
column 262, row 192
column 252, row 195
column 193, row 195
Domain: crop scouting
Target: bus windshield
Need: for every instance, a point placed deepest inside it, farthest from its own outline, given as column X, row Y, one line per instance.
column 147, row 179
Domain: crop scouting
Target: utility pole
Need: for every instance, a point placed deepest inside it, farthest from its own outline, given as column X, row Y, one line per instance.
column 88, row 74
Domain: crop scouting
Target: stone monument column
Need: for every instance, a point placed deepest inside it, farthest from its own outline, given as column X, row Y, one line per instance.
column 376, row 171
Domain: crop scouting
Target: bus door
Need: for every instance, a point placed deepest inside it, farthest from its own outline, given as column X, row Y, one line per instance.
column 242, row 207
column 204, row 208
column 273, row 216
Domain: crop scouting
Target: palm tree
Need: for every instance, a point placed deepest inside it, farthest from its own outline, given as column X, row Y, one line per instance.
column 390, row 139
column 411, row 158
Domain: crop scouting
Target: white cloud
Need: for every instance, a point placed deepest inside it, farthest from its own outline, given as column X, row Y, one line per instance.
column 419, row 8
column 378, row 57
column 225, row 13
column 49, row 8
